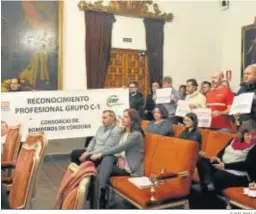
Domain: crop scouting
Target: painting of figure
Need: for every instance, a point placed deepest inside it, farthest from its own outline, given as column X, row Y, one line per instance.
column 248, row 46
column 31, row 45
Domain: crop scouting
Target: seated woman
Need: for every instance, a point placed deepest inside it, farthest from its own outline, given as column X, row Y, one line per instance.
column 191, row 131
column 161, row 125
column 234, row 165
column 127, row 157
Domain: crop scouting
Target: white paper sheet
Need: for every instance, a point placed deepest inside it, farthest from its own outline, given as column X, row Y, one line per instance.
column 182, row 108
column 140, row 182
column 163, row 95
column 250, row 193
column 242, row 104
column 204, row 116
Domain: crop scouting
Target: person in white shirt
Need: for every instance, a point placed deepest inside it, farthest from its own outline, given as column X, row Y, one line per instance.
column 194, row 97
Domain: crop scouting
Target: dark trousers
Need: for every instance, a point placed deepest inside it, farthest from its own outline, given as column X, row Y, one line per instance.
column 87, row 141
column 106, row 166
column 106, row 169
column 76, row 154
column 220, row 178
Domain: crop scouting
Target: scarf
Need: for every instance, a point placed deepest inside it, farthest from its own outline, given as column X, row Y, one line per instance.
column 238, row 145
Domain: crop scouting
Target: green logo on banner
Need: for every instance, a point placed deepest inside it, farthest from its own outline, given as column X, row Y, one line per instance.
column 113, row 101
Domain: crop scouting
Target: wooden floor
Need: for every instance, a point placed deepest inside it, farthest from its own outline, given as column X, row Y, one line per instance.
column 49, row 180
column 52, row 173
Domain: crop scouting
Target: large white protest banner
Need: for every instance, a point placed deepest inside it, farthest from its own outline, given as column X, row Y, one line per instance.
column 60, row 114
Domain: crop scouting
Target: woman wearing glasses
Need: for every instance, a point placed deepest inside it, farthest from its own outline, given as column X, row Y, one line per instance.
column 191, row 131
column 160, row 125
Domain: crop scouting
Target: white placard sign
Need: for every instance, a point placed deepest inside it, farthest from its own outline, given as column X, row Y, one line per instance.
column 163, row 95
column 242, row 104
column 182, row 108
column 204, row 116
column 61, row 114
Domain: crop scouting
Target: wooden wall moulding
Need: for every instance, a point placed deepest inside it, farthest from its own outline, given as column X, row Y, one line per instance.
column 130, row 8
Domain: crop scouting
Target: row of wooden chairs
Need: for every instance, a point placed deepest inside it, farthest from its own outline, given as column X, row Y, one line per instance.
column 212, row 143
column 160, row 153
column 20, row 166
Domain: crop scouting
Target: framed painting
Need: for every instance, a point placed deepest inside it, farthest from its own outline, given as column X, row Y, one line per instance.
column 248, row 46
column 32, row 45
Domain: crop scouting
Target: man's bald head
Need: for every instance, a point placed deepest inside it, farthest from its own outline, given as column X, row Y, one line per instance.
column 216, row 79
column 250, row 74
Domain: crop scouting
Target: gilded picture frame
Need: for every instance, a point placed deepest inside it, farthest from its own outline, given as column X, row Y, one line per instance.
column 248, row 55
column 32, row 45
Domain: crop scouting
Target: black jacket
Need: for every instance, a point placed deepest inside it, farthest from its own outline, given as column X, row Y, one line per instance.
column 137, row 102
column 245, row 88
column 248, row 165
column 150, row 105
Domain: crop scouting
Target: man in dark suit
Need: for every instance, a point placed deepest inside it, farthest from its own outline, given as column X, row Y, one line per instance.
column 136, row 98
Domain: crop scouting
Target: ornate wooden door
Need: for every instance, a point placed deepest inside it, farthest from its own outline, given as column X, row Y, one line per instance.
column 127, row 66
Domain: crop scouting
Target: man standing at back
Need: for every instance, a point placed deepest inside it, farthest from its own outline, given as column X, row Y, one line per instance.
column 136, row 98
column 175, row 96
column 107, row 136
column 249, row 85
column 194, row 97
column 219, row 100
column 205, row 87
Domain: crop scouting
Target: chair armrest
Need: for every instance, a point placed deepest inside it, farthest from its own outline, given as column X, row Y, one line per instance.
column 167, row 175
column 7, row 165
column 170, row 175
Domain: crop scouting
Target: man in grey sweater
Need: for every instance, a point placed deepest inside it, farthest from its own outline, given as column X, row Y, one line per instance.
column 107, row 136
column 175, row 96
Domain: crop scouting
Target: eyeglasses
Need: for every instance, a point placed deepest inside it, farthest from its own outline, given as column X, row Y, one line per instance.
column 186, row 120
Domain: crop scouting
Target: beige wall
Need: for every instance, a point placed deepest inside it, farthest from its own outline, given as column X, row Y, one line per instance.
column 241, row 13
column 201, row 39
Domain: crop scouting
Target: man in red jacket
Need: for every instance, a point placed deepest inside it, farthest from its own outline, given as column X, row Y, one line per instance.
column 219, row 100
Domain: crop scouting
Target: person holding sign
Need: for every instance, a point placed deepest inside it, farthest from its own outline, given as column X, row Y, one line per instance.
column 174, row 98
column 107, row 136
column 194, row 98
column 219, row 100
column 248, row 86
